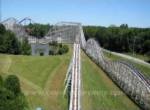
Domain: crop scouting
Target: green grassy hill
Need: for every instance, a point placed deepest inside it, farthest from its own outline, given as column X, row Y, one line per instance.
column 99, row 92
column 42, row 81
column 42, row 78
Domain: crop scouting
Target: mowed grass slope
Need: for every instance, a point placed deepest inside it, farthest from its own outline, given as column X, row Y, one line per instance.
column 99, row 92
column 42, row 78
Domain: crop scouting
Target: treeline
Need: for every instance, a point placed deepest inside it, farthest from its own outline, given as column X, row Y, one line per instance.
column 11, row 96
column 11, row 45
column 37, row 30
column 121, row 39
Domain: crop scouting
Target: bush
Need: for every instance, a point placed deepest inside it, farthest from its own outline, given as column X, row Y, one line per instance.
column 8, row 101
column 66, row 49
column 41, row 53
column 8, row 98
column 63, row 49
column 60, row 45
column 56, row 48
column 51, row 52
column 12, row 83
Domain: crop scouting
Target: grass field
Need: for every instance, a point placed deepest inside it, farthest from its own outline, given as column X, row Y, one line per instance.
column 99, row 92
column 143, row 68
column 42, row 78
column 42, row 81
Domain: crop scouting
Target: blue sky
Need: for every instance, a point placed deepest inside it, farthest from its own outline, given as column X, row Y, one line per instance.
column 89, row 12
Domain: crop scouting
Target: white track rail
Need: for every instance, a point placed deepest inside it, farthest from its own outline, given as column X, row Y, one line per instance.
column 75, row 82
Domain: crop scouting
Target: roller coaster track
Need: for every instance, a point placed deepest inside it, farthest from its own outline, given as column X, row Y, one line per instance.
column 75, row 80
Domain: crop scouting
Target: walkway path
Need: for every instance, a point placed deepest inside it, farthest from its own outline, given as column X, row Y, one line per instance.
column 129, row 57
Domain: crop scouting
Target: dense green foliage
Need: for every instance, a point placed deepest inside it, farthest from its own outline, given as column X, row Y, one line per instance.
column 25, row 47
column 1, row 81
column 58, row 48
column 2, row 29
column 121, row 39
column 37, row 30
column 12, row 83
column 10, row 44
column 11, row 97
column 63, row 49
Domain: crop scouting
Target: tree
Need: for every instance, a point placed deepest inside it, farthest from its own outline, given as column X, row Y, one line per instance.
column 124, row 26
column 12, row 83
column 38, row 30
column 11, row 44
column 25, row 47
column 2, row 29
column 1, row 81
column 120, row 39
column 146, row 47
column 8, row 99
